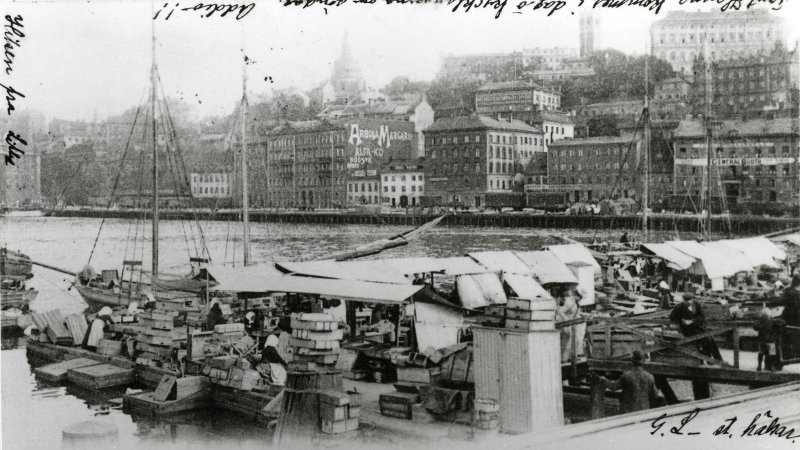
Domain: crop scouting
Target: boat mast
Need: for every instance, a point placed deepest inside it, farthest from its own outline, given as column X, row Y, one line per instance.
column 245, row 198
column 154, row 279
column 708, row 124
column 646, row 149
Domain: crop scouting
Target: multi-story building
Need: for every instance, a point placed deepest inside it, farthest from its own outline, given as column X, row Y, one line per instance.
column 516, row 100
column 680, row 37
column 551, row 57
column 469, row 157
column 597, row 168
column 21, row 183
column 322, row 164
column 568, row 69
column 765, row 84
column 211, row 185
column 672, row 99
column 483, row 67
column 554, row 126
column 622, row 113
column 402, row 185
column 754, row 164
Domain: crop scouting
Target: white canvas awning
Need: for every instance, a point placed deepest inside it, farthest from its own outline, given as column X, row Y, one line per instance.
column 501, row 261
column 709, row 261
column 547, row 267
column 480, row 290
column 574, row 255
column 734, row 258
column 222, row 274
column 524, row 286
column 458, row 265
column 759, row 251
column 361, row 291
column 376, row 271
column 437, row 326
column 674, row 258
column 791, row 238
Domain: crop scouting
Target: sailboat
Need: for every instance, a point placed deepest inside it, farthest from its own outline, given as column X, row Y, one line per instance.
column 111, row 289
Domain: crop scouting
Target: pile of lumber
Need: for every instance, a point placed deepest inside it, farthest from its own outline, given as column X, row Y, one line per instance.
column 316, row 340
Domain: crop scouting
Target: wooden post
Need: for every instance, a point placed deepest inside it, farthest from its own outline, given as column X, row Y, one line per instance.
column 574, row 360
column 735, row 338
column 597, row 394
column 608, row 339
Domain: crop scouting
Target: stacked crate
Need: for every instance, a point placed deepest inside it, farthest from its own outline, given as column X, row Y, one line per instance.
column 398, row 404
column 338, row 411
column 316, row 341
column 231, row 371
column 531, row 315
column 493, row 316
column 156, row 340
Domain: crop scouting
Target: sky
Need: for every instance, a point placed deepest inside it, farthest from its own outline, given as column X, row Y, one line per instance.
column 86, row 59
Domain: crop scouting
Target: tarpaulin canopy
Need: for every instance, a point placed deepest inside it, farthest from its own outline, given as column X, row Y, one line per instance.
column 480, row 290
column 709, row 261
column 733, row 257
column 674, row 258
column 501, row 261
column 790, row 238
column 361, row 291
column 759, row 251
column 574, row 255
column 221, row 274
column 547, row 267
column 524, row 286
column 458, row 265
column 436, row 326
column 376, row 271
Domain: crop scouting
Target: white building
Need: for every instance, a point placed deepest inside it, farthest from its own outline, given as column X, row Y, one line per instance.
column 680, row 37
column 555, row 126
column 402, row 186
column 211, row 185
column 363, row 192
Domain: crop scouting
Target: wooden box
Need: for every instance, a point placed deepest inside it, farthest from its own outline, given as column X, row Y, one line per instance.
column 418, row 374
column 109, row 348
column 397, row 404
column 527, row 314
column 527, row 325
column 532, row 305
column 56, row 373
column 100, row 376
column 332, row 335
column 342, row 426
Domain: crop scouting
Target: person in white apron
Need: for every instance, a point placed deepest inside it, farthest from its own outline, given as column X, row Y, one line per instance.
column 276, row 364
column 97, row 330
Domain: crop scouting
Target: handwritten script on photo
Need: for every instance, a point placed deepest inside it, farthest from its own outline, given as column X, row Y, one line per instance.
column 765, row 425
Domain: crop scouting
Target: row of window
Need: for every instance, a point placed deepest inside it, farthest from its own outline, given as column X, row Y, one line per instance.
column 209, row 178
column 580, row 167
column 322, row 138
column 720, row 37
column 403, row 178
column 741, row 151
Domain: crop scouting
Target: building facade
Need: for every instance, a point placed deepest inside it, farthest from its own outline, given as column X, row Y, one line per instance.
column 402, row 185
column 467, row 158
column 21, row 182
column 594, row 169
column 516, row 100
column 551, row 58
column 754, row 164
column 211, row 185
column 680, row 37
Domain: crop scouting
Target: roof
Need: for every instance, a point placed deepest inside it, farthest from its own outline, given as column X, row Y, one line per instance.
column 459, row 265
column 791, row 238
column 574, row 255
column 754, row 127
column 375, row 271
column 711, row 261
column 391, row 107
column 547, row 267
column 674, row 258
column 476, row 122
column 551, row 116
column 501, row 261
column 525, row 287
column 480, row 290
column 512, row 85
column 353, row 290
column 734, row 258
column 594, row 141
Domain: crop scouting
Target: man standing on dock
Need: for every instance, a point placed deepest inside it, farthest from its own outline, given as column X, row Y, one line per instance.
column 638, row 387
column 691, row 321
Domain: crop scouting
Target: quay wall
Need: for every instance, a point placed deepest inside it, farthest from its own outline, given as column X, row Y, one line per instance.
column 739, row 225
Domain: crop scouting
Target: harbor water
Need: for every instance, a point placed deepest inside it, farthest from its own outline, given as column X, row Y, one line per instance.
column 34, row 414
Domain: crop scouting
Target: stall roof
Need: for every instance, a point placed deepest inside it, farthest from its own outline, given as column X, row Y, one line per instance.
column 759, row 251
column 458, row 265
column 674, row 258
column 790, row 238
column 354, row 290
column 479, row 290
column 501, row 261
column 222, row 274
column 732, row 256
column 525, row 286
column 547, row 267
column 710, row 261
column 574, row 255
column 377, row 271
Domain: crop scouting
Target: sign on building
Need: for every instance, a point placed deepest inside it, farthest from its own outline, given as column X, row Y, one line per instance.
column 734, row 161
column 372, row 143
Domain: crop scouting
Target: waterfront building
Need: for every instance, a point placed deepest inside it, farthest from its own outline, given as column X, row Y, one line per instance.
column 467, row 158
column 518, row 100
column 596, row 168
column 402, row 185
column 759, row 85
column 679, row 37
column 554, row 126
column 20, row 184
column 672, row 99
column 210, row 185
column 333, row 164
column 754, row 164
column 620, row 113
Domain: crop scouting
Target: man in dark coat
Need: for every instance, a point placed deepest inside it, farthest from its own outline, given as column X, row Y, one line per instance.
column 790, row 299
column 214, row 317
column 638, row 387
column 691, row 321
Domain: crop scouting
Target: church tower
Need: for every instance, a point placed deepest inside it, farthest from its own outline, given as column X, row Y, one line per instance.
column 346, row 79
column 589, row 33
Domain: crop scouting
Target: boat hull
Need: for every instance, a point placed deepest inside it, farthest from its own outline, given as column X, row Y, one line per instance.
column 97, row 298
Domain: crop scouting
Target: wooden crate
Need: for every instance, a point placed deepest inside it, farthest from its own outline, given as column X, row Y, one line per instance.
column 397, row 404
column 109, row 348
column 100, row 376
column 529, row 325
column 332, row 335
column 56, row 373
column 418, row 374
column 528, row 314
column 532, row 305
column 77, row 326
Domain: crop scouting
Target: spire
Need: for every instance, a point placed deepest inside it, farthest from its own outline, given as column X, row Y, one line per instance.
column 345, row 46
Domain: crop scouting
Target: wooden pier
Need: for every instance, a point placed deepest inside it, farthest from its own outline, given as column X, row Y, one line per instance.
column 739, row 225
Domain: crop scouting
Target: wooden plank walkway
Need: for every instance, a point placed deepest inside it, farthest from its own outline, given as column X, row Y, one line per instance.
column 713, row 374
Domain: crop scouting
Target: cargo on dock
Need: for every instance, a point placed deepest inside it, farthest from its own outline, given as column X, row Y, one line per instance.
column 57, row 372
column 100, row 376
